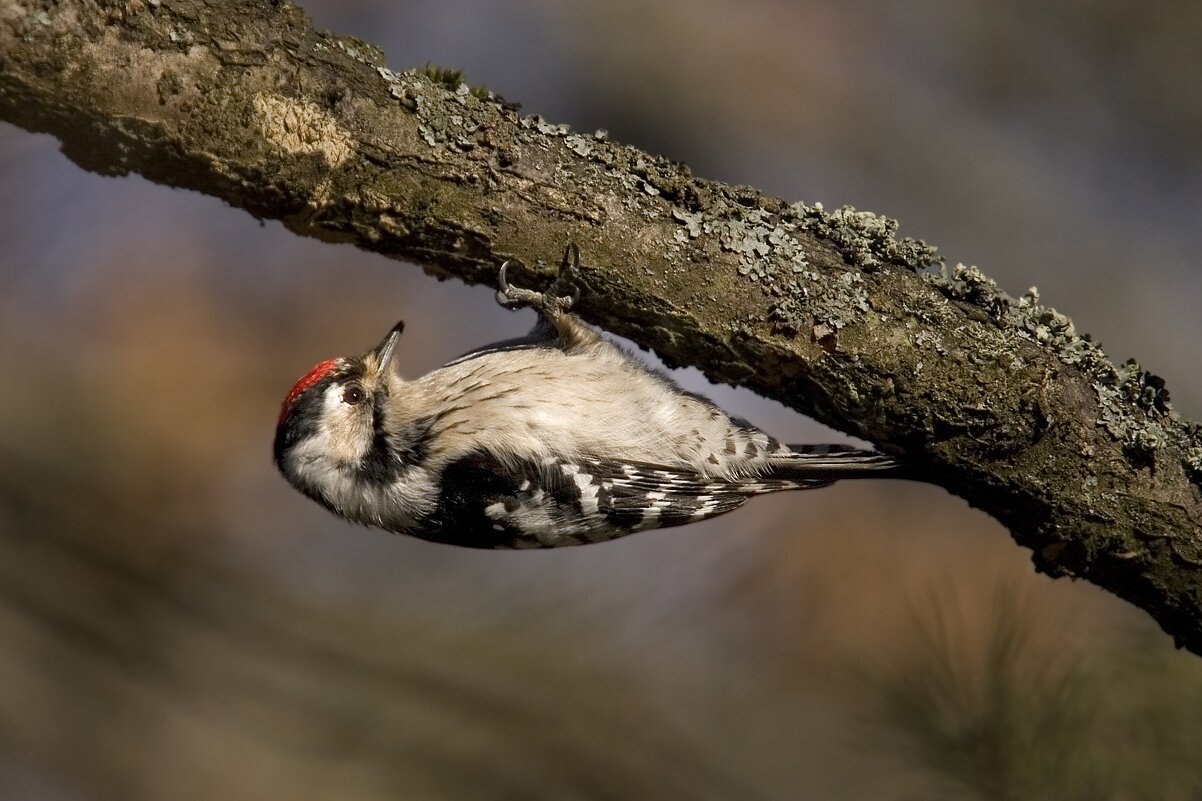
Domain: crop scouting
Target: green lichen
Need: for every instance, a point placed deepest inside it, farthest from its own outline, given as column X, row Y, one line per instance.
column 537, row 123
column 769, row 247
column 865, row 239
column 1133, row 404
column 580, row 145
column 692, row 224
column 361, row 51
column 417, row 89
column 807, row 299
column 768, row 244
column 449, row 113
column 1193, row 460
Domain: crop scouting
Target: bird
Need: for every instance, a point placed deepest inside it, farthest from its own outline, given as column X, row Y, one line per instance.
column 560, row 437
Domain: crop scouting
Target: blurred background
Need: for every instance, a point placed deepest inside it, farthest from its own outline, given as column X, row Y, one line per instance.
column 175, row 622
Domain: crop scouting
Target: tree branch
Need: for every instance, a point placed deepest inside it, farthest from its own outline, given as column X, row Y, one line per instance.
column 996, row 399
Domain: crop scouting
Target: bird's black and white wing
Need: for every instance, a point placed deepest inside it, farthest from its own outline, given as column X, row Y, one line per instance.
column 488, row 503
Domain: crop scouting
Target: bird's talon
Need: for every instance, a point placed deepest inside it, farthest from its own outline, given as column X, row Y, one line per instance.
column 550, row 301
column 502, row 284
column 505, row 293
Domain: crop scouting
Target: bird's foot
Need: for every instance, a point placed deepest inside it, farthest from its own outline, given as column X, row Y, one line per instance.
column 550, row 302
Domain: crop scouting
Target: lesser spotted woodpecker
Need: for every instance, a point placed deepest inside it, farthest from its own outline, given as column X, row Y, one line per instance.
column 557, row 438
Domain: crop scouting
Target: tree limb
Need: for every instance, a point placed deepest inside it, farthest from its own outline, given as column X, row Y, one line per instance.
column 996, row 399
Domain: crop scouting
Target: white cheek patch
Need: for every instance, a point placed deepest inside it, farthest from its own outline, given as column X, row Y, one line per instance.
column 346, row 430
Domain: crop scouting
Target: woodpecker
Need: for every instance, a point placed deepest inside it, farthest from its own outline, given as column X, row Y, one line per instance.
column 556, row 438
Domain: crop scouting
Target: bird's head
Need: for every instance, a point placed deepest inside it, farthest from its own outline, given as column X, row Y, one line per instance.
column 330, row 434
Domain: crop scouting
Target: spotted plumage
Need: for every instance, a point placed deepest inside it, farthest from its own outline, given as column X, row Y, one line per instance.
column 557, row 438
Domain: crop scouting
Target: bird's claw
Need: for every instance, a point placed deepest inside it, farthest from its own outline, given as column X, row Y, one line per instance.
column 551, row 301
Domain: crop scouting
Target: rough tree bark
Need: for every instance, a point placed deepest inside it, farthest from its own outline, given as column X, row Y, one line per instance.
column 995, row 398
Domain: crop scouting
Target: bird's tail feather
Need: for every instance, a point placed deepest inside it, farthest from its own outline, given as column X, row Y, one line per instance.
column 821, row 464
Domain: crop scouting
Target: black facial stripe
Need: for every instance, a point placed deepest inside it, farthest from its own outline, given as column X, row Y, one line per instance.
column 379, row 466
column 414, row 447
column 391, row 453
column 302, row 419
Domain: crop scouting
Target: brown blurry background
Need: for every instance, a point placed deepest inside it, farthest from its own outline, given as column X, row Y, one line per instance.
column 175, row 622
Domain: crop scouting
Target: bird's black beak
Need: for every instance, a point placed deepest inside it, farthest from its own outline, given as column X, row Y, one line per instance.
column 386, row 348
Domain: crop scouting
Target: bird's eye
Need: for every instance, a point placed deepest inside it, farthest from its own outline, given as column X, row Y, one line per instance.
column 353, row 395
